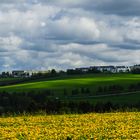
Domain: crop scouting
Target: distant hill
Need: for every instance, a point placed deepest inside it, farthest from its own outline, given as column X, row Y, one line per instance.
column 73, row 93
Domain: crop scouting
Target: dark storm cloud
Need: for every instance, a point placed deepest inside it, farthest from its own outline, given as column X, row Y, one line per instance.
column 118, row 7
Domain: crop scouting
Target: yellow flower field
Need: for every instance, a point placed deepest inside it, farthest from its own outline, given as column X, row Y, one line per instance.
column 76, row 127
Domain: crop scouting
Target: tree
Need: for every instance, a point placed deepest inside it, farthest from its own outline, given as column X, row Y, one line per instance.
column 53, row 72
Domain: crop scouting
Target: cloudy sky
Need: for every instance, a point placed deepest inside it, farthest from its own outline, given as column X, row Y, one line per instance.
column 46, row 34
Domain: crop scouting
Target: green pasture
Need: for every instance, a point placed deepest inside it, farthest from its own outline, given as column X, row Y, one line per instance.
column 9, row 79
column 69, row 83
column 91, row 81
column 121, row 99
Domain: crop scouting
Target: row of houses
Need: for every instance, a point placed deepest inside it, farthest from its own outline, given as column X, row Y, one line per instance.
column 112, row 69
column 21, row 73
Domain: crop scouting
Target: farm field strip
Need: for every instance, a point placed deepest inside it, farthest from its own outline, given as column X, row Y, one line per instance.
column 73, row 82
column 85, row 126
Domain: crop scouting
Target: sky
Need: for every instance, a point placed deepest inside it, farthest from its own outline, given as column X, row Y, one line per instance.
column 61, row 34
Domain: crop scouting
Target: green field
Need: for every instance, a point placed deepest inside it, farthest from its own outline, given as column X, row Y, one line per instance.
column 9, row 79
column 91, row 81
column 76, row 81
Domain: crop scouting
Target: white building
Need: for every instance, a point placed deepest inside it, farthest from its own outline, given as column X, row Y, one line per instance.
column 84, row 69
column 106, row 69
column 122, row 69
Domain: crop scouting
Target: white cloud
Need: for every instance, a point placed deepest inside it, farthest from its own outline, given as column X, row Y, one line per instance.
column 49, row 34
column 10, row 43
column 74, row 28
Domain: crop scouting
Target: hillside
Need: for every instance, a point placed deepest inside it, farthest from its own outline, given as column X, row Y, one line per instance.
column 79, row 93
column 75, row 81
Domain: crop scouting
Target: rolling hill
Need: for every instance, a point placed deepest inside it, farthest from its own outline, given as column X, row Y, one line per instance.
column 69, row 83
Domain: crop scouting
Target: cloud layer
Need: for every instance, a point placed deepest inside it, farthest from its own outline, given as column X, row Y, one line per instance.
column 44, row 34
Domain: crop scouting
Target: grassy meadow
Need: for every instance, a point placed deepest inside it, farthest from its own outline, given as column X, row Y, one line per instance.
column 93, row 126
column 91, row 81
column 69, row 82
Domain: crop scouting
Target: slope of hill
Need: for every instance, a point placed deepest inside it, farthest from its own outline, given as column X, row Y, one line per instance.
column 83, row 92
column 76, row 81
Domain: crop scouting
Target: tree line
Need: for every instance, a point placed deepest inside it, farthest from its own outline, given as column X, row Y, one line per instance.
column 46, row 101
